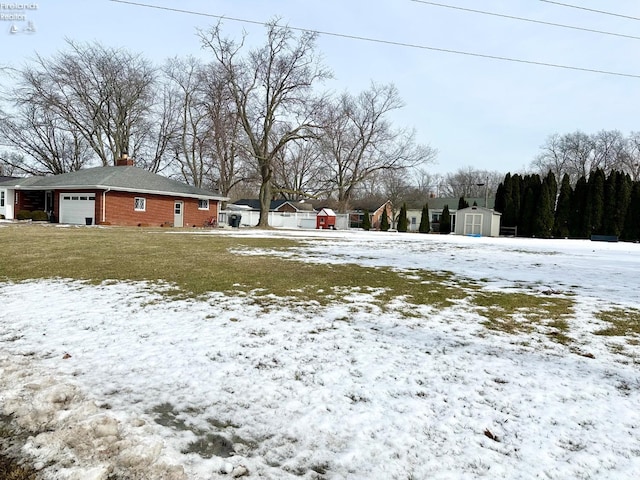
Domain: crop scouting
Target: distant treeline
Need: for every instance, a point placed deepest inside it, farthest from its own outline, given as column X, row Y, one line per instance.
column 598, row 205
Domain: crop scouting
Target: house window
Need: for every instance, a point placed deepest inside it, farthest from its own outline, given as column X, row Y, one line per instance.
column 2, row 198
column 203, row 204
column 414, row 220
column 139, row 204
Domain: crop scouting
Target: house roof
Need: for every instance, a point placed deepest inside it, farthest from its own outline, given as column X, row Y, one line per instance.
column 481, row 209
column 438, row 203
column 326, row 212
column 121, row 178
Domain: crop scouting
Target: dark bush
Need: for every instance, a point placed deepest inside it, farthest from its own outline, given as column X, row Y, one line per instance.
column 39, row 216
column 23, row 215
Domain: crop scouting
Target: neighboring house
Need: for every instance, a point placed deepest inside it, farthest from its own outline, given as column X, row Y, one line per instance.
column 6, row 203
column 119, row 195
column 283, row 206
column 478, row 221
column 436, row 206
column 375, row 214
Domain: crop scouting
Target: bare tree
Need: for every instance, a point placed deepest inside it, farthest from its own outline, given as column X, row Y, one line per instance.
column 578, row 153
column 192, row 139
column 104, row 93
column 152, row 145
column 631, row 162
column 470, row 182
column 298, row 172
column 229, row 165
column 427, row 184
column 610, row 150
column 8, row 162
column 395, row 186
column 272, row 84
column 52, row 146
column 359, row 140
column 554, row 157
column 42, row 143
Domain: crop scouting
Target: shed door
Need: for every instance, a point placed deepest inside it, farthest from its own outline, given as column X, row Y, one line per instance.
column 76, row 207
column 473, row 224
column 178, row 214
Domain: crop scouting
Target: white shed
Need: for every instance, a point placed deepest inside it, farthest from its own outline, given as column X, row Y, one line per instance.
column 478, row 221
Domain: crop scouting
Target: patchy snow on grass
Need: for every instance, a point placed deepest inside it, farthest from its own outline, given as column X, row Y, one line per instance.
column 114, row 380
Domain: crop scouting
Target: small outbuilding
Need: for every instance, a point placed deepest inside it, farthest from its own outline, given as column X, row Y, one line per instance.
column 478, row 221
column 326, row 218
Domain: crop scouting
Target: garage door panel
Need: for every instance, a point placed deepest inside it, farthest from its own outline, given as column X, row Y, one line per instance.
column 76, row 207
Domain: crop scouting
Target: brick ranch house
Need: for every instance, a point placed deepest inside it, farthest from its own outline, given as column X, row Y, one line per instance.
column 120, row 195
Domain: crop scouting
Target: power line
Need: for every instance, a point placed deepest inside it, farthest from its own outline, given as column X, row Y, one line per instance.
column 530, row 20
column 388, row 42
column 591, row 10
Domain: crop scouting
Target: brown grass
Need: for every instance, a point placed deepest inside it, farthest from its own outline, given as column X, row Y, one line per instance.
column 197, row 264
column 622, row 322
column 523, row 313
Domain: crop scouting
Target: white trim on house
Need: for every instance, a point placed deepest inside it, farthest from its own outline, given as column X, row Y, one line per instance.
column 121, row 189
column 8, row 209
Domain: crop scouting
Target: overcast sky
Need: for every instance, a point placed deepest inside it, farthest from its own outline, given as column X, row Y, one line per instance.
column 476, row 111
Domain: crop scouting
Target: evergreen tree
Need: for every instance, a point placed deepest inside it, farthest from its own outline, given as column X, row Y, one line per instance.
column 578, row 224
column 366, row 220
column 516, row 195
column 511, row 202
column 624, row 190
column 543, row 213
column 595, row 199
column 501, row 196
column 384, row 221
column 403, row 221
column 425, row 223
column 445, row 220
column 609, row 214
column 631, row 230
column 563, row 209
column 462, row 203
column 528, row 209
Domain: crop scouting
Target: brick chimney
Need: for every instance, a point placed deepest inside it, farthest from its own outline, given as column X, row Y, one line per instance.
column 124, row 161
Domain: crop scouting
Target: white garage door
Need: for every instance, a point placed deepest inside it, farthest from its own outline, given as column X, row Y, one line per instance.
column 76, row 207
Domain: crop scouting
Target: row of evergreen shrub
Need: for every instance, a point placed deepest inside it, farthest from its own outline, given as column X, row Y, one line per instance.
column 600, row 204
column 36, row 215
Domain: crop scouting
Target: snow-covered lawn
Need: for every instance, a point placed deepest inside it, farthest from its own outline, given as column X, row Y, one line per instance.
column 116, row 379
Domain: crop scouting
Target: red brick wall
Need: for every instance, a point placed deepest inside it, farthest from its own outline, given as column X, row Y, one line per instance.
column 159, row 210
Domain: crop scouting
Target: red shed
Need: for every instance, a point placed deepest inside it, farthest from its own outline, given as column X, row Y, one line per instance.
column 326, row 219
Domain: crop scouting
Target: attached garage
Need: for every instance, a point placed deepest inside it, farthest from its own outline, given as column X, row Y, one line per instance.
column 76, row 208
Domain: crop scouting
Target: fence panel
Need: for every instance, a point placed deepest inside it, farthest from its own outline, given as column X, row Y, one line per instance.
column 303, row 220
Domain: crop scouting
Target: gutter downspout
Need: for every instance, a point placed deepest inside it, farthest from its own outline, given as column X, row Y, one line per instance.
column 104, row 206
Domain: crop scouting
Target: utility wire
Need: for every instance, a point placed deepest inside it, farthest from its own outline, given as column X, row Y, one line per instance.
column 522, row 19
column 591, row 10
column 388, row 42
